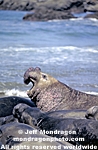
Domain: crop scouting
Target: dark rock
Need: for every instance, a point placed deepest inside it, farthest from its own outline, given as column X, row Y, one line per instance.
column 44, row 14
column 1, row 2
column 17, row 5
column 54, row 9
column 91, row 5
column 30, row 6
column 94, row 15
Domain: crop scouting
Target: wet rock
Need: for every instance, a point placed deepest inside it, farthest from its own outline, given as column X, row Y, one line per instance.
column 94, row 15
column 50, row 9
column 44, row 14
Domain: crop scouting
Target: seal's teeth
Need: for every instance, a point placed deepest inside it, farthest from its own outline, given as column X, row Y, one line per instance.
column 27, row 92
column 32, row 80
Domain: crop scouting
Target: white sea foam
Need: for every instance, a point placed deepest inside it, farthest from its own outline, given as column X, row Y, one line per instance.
column 51, row 49
column 18, row 49
column 55, row 20
column 55, row 54
column 92, row 93
column 93, row 19
column 81, row 18
column 76, row 19
column 15, row 92
column 91, row 50
column 51, row 55
column 59, row 54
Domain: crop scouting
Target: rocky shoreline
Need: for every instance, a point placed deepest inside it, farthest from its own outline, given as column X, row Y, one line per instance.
column 43, row 10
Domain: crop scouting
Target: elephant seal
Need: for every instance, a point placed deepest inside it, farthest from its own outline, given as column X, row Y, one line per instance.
column 7, row 119
column 13, row 136
column 69, row 128
column 29, row 115
column 7, row 104
column 92, row 113
column 50, row 94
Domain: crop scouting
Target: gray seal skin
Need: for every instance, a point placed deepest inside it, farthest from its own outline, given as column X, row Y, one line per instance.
column 7, row 104
column 10, row 131
column 78, row 114
column 92, row 113
column 85, row 128
column 50, row 94
column 7, row 119
column 26, row 111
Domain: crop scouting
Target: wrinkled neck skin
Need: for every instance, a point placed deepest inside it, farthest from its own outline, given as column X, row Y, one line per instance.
column 50, row 97
column 39, row 87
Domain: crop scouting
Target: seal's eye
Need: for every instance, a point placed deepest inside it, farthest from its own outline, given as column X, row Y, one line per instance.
column 44, row 76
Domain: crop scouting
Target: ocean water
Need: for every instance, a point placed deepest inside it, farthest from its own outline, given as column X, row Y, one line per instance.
column 67, row 50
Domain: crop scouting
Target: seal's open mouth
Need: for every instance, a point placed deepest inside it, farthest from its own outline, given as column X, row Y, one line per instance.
column 27, row 78
column 31, row 75
column 30, row 79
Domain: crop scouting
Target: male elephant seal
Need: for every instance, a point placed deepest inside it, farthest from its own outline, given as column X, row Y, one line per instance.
column 50, row 94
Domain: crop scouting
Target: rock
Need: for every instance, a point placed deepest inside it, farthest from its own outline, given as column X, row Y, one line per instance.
column 46, row 9
column 94, row 15
column 91, row 5
column 44, row 14
column 17, row 5
column 50, row 94
column 1, row 2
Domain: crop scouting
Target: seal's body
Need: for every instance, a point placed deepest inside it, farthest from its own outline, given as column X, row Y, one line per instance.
column 50, row 94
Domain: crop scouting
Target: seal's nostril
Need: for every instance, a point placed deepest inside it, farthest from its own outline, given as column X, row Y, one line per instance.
column 30, row 69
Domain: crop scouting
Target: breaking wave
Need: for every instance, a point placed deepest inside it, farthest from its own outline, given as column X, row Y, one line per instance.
column 50, row 55
column 13, row 92
column 92, row 93
column 51, row 49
